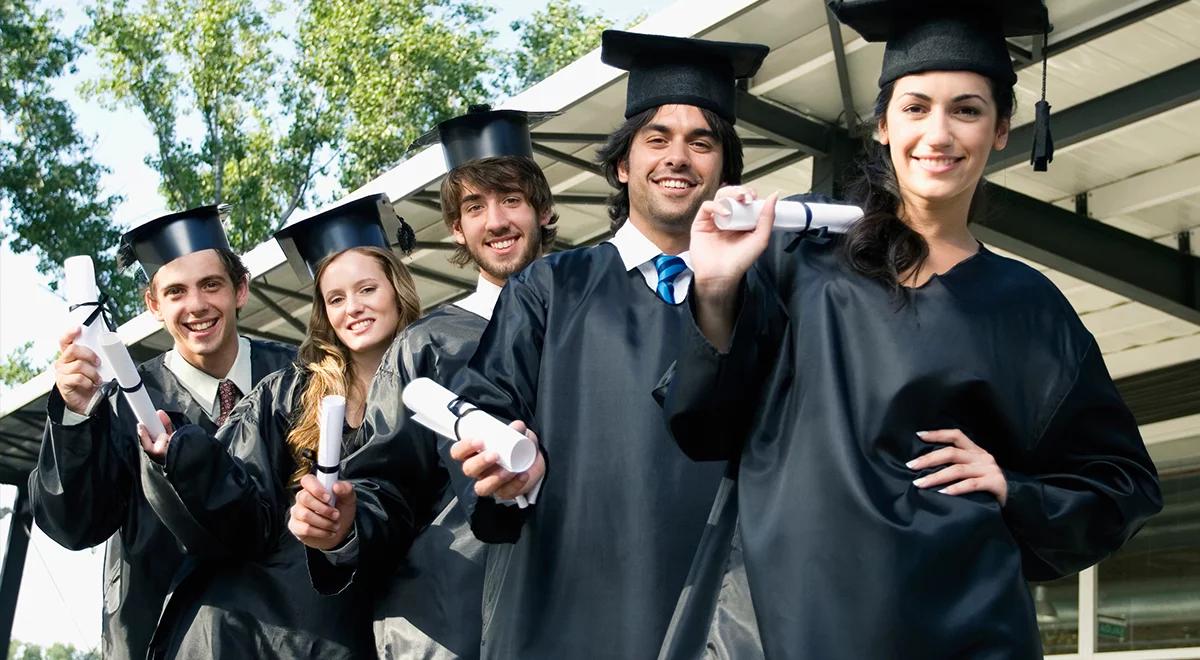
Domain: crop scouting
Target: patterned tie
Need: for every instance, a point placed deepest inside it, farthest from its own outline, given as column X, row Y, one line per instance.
column 228, row 394
column 668, row 268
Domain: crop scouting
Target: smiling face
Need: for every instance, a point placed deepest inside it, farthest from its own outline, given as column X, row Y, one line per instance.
column 360, row 302
column 940, row 128
column 673, row 166
column 197, row 303
column 500, row 229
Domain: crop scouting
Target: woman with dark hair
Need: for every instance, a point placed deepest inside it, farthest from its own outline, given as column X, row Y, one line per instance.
column 226, row 498
column 921, row 424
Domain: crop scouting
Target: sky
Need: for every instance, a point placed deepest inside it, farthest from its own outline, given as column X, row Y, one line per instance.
column 60, row 591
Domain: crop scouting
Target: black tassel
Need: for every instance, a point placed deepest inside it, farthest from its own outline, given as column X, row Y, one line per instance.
column 1043, row 143
column 125, row 255
column 406, row 237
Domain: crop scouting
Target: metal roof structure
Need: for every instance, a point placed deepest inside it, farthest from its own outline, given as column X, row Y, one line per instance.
column 1112, row 223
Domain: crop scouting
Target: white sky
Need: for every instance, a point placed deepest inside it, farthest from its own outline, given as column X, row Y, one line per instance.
column 60, row 591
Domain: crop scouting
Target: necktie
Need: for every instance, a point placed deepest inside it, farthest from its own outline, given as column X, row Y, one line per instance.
column 668, row 268
column 228, row 395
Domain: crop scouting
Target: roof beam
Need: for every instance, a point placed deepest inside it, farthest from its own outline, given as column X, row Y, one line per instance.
column 1133, row 12
column 280, row 291
column 784, row 125
column 1146, row 190
column 1137, row 268
column 1122, row 107
column 440, row 278
column 279, row 310
column 562, row 157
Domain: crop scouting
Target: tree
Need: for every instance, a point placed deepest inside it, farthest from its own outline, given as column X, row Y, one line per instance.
column 49, row 184
column 552, row 38
column 18, row 650
column 17, row 367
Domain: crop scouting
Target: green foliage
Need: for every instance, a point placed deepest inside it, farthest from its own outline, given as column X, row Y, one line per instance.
column 18, row 650
column 552, row 38
column 49, row 184
column 18, row 367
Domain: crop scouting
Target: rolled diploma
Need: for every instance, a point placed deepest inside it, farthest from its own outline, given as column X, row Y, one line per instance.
column 430, row 406
column 115, row 354
column 789, row 215
column 80, row 287
column 331, row 416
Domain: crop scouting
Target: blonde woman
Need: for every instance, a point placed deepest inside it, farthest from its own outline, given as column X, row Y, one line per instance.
column 226, row 498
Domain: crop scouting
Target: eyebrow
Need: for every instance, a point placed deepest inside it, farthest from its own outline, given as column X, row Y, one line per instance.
column 699, row 132
column 365, row 280
column 200, row 280
column 958, row 99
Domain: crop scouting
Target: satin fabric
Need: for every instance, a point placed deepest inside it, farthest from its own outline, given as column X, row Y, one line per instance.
column 574, row 347
column 250, row 594
column 828, row 379
column 87, row 488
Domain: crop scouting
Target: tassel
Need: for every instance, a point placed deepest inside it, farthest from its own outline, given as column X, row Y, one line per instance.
column 1043, row 143
column 406, row 237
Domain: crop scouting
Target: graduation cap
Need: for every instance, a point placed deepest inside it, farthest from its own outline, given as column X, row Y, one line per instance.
column 365, row 221
column 483, row 133
column 954, row 35
column 160, row 241
column 664, row 70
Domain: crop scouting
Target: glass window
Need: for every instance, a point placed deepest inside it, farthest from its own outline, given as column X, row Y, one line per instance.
column 1149, row 591
column 1057, row 604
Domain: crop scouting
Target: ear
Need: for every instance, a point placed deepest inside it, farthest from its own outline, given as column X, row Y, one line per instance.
column 243, row 291
column 151, row 302
column 545, row 219
column 457, row 233
column 1002, row 133
column 881, row 132
column 623, row 170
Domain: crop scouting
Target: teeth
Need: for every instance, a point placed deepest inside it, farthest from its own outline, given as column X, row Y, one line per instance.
column 359, row 325
column 672, row 183
column 202, row 325
column 500, row 245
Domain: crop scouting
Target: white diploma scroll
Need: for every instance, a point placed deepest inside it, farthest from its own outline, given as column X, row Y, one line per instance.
column 84, row 296
column 113, row 352
column 446, row 414
column 789, row 215
column 330, row 418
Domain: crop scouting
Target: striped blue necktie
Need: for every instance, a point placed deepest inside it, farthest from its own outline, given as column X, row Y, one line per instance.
column 668, row 267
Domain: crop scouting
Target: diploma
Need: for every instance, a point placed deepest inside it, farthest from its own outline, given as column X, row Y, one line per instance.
column 330, row 416
column 448, row 415
column 113, row 352
column 789, row 215
column 83, row 297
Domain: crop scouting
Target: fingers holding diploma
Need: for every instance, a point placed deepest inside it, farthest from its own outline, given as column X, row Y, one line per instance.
column 314, row 522
column 156, row 448
column 492, row 480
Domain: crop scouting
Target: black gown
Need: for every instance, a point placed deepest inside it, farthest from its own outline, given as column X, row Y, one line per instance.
column 574, row 347
column 846, row 558
column 428, row 604
column 226, row 499
column 87, row 488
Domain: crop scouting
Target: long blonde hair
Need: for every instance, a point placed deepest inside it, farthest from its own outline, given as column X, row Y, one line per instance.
column 327, row 360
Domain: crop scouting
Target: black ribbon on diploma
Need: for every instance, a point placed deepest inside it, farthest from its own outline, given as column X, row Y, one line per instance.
column 102, row 310
column 131, row 390
column 820, row 235
column 460, row 408
column 325, row 468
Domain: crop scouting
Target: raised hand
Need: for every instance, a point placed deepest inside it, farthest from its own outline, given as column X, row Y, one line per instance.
column 314, row 522
column 491, row 480
column 76, row 373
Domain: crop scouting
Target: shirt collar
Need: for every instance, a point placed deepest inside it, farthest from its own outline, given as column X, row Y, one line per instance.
column 635, row 249
column 483, row 301
column 202, row 386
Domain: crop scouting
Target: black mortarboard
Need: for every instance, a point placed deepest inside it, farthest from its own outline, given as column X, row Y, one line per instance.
column 483, row 133
column 156, row 243
column 360, row 222
column 953, row 35
column 664, row 70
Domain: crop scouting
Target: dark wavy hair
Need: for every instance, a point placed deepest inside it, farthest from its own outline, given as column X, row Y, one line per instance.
column 498, row 174
column 881, row 246
column 234, row 268
column 616, row 150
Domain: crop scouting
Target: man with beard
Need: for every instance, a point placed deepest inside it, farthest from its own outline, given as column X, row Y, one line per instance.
column 88, row 485
column 498, row 207
column 578, row 341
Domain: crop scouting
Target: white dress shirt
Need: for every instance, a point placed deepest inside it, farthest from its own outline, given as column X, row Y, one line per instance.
column 639, row 252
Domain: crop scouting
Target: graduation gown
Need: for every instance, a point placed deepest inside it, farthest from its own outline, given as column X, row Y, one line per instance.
column 87, row 488
column 430, row 604
column 826, row 383
column 249, row 594
column 574, row 347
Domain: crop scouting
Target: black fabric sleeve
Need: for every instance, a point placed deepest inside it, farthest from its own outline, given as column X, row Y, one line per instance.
column 1089, row 484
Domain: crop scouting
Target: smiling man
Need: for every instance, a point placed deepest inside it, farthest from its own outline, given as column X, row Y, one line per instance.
column 578, row 341
column 87, row 486
column 497, row 205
